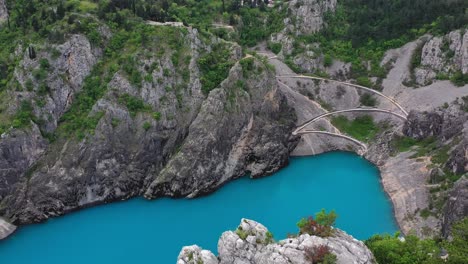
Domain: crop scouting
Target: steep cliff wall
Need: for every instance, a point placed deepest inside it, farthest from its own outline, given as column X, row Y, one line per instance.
column 160, row 137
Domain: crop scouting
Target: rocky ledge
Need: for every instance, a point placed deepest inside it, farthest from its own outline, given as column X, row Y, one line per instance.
column 6, row 228
column 256, row 246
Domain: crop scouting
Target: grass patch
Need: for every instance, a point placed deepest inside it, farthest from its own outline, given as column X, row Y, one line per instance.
column 362, row 128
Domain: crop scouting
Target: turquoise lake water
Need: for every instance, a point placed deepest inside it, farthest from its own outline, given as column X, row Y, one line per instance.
column 141, row 231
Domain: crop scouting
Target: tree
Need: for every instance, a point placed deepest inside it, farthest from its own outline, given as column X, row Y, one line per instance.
column 325, row 219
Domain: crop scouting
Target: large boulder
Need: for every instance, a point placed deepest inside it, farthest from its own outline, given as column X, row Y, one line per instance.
column 421, row 125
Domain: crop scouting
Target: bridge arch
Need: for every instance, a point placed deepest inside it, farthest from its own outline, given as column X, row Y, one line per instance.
column 357, row 142
column 305, row 124
column 394, row 102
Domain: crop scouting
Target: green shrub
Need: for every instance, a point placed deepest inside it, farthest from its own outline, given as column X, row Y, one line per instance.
column 269, row 238
column 115, row 122
column 44, row 63
column 416, row 57
column 275, row 47
column 24, row 115
column 364, row 81
column 425, row 213
column 327, row 60
column 133, row 104
column 247, row 65
column 241, row 233
column 367, row 100
column 157, row 116
column 459, row 79
column 146, row 126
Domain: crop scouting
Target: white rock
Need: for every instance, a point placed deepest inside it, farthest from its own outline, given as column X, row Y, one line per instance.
column 234, row 250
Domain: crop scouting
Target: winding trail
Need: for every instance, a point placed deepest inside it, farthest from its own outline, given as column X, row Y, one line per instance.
column 296, row 76
column 301, row 127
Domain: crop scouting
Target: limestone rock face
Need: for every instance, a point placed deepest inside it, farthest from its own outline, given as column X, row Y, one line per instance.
column 457, row 205
column 68, row 68
column 3, row 11
column 423, row 125
column 257, row 248
column 445, row 54
column 306, row 16
column 18, row 151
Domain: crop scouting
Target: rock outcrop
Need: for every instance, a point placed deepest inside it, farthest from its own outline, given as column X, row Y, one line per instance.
column 3, row 11
column 255, row 246
column 423, row 125
column 65, row 73
column 446, row 54
column 307, row 16
column 19, row 150
column 52, row 95
column 6, row 228
column 304, row 17
column 457, row 205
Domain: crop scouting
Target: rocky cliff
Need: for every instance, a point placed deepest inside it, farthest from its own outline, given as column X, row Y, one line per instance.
column 304, row 17
column 442, row 56
column 161, row 137
column 258, row 247
column 50, row 79
column 307, row 16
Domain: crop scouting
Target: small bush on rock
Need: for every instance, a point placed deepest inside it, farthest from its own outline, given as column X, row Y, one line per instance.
column 320, row 226
column 319, row 254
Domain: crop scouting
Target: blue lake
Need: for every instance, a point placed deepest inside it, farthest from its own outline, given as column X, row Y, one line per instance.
column 141, row 231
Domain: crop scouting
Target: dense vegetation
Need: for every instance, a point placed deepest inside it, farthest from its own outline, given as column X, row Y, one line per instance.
column 394, row 250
